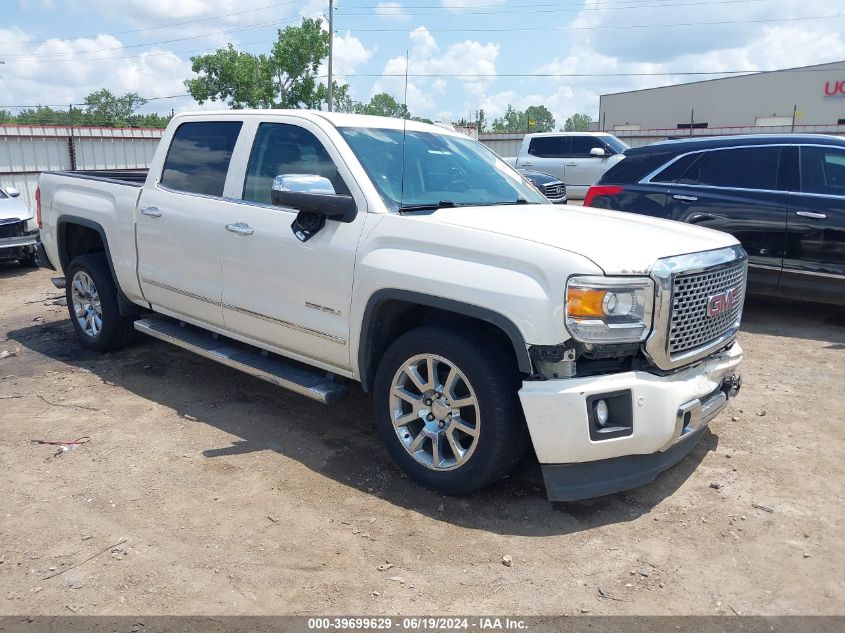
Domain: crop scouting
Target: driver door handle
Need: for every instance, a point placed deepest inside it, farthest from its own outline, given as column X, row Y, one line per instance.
column 683, row 198
column 153, row 212
column 571, row 164
column 240, row 228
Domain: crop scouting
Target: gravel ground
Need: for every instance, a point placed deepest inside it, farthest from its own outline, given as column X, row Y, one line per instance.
column 203, row 491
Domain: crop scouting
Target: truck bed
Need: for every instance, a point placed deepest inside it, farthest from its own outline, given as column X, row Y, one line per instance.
column 132, row 177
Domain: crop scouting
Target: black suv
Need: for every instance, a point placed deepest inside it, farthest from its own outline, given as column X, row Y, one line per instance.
column 781, row 196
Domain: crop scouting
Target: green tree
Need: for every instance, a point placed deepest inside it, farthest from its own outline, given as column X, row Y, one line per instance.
column 284, row 78
column 577, row 123
column 384, row 104
column 102, row 107
column 481, row 121
column 539, row 119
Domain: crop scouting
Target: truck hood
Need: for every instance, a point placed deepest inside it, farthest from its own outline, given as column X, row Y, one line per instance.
column 619, row 243
column 13, row 208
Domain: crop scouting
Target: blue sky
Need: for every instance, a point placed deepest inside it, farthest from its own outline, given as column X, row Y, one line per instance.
column 57, row 51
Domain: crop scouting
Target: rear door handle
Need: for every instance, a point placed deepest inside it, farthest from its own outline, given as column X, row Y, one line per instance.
column 571, row 164
column 683, row 198
column 239, row 228
column 153, row 212
column 812, row 214
column 525, row 164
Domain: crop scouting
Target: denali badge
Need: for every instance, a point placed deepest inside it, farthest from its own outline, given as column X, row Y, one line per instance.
column 716, row 304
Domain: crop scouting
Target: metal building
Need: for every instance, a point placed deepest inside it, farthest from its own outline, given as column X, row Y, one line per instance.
column 806, row 96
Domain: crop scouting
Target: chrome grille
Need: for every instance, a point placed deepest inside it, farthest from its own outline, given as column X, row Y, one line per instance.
column 691, row 327
column 554, row 190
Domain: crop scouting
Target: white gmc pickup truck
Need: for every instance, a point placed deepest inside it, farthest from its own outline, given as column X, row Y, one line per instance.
column 313, row 250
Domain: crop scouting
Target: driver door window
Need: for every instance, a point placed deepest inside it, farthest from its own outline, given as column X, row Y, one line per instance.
column 286, row 149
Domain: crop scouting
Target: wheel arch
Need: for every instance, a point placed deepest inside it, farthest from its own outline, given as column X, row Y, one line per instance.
column 71, row 242
column 391, row 312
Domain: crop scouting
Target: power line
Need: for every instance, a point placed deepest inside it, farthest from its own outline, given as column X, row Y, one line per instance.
column 170, row 41
column 400, row 11
column 605, row 27
column 496, row 76
column 172, row 24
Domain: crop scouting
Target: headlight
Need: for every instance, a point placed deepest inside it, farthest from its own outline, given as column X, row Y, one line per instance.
column 31, row 225
column 609, row 309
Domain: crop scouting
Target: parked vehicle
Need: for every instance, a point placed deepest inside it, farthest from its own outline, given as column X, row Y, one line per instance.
column 577, row 158
column 18, row 230
column 313, row 250
column 781, row 196
column 549, row 186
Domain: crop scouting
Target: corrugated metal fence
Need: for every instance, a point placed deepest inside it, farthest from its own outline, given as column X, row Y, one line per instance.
column 27, row 150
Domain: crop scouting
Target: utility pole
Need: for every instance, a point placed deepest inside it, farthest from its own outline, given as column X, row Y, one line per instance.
column 331, row 49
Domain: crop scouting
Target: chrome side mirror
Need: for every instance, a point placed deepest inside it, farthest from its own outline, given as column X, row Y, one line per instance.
column 598, row 152
column 11, row 192
column 303, row 183
column 315, row 199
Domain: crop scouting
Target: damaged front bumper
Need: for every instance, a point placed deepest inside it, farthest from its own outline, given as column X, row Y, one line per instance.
column 654, row 421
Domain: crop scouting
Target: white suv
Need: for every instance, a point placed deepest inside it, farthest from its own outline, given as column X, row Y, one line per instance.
column 579, row 159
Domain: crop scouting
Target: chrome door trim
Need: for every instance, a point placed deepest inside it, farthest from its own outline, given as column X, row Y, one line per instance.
column 287, row 324
column 226, row 306
column 812, row 273
column 192, row 295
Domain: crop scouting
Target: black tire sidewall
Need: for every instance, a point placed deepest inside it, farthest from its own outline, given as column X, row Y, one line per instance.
column 112, row 334
column 495, row 381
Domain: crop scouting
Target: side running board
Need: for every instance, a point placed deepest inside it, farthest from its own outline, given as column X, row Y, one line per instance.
column 280, row 371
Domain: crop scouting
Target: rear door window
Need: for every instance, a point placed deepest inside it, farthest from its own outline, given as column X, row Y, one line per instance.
column 199, row 156
column 739, row 168
column 546, row 147
column 674, row 171
column 823, row 170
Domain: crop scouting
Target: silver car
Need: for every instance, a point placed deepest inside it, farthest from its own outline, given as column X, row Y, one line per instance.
column 18, row 229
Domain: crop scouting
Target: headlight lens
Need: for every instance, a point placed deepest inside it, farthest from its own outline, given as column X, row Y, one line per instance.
column 31, row 225
column 609, row 309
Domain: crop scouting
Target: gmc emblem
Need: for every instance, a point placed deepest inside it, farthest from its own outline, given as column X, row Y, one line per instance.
column 716, row 304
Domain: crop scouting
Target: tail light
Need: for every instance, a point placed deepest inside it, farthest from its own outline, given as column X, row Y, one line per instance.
column 601, row 190
column 38, row 206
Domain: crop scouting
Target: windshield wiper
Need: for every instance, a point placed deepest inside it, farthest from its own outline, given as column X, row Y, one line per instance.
column 517, row 201
column 429, row 206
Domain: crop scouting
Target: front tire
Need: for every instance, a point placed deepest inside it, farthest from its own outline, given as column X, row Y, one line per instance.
column 92, row 304
column 447, row 408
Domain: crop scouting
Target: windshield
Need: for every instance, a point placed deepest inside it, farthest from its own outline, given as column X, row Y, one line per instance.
column 439, row 170
column 617, row 145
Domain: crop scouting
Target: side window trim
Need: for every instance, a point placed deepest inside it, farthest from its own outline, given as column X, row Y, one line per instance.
column 648, row 179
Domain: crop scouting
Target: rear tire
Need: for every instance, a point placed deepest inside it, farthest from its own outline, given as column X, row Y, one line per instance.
column 92, row 304
column 447, row 408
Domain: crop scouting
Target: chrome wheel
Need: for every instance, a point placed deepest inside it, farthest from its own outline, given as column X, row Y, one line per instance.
column 86, row 304
column 435, row 412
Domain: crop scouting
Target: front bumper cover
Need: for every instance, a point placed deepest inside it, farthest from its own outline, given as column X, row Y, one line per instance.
column 668, row 413
column 571, row 482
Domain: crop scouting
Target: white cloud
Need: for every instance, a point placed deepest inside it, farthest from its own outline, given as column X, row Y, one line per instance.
column 392, row 11
column 458, row 5
column 64, row 71
column 468, row 57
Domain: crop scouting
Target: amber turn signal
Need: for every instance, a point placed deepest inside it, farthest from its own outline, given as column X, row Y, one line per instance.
column 585, row 302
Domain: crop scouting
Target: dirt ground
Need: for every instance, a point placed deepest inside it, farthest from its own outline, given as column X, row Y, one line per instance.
column 203, row 491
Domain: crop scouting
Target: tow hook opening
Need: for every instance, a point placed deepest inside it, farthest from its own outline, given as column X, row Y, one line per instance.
column 732, row 385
